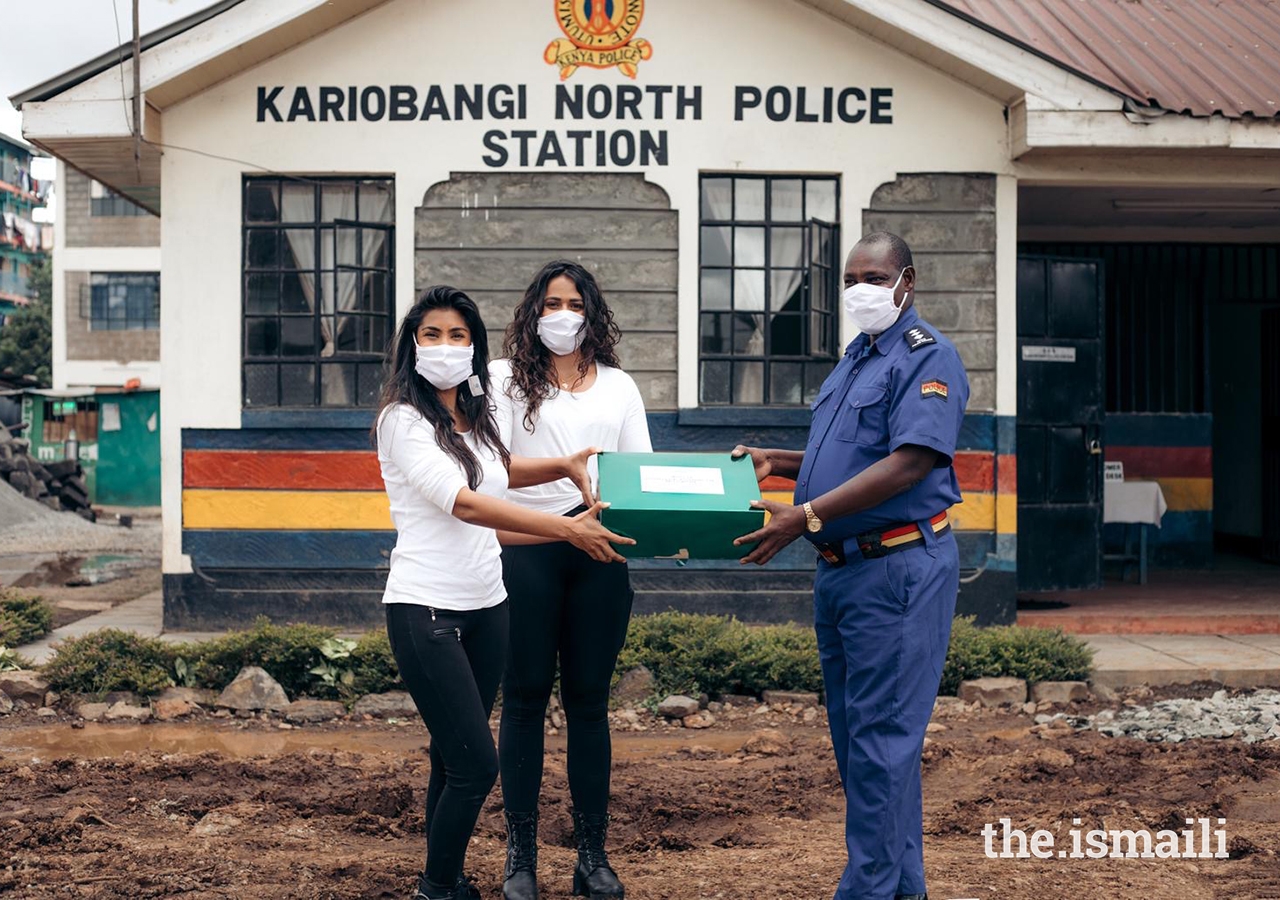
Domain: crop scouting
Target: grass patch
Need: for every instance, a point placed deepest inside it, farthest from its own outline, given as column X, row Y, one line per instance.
column 23, row 617
column 110, row 660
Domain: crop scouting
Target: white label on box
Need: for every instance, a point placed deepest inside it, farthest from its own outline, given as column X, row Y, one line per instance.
column 680, row 480
column 1113, row 471
column 1049, row 354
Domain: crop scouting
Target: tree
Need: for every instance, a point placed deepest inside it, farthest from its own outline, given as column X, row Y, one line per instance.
column 26, row 340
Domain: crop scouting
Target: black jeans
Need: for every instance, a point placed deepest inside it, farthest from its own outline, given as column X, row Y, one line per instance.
column 563, row 604
column 451, row 663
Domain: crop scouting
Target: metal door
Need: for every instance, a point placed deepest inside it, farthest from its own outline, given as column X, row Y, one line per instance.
column 1271, row 435
column 1060, row 416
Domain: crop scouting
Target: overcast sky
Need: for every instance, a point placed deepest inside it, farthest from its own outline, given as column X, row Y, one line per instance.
column 56, row 35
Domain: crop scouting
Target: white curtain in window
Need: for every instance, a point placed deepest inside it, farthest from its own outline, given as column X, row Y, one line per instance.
column 748, row 293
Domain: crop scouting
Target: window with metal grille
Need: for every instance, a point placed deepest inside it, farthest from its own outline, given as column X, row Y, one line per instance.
column 319, row 305
column 105, row 202
column 61, row 417
column 121, row 301
column 769, row 292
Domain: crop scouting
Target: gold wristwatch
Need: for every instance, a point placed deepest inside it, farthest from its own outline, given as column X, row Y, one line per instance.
column 812, row 522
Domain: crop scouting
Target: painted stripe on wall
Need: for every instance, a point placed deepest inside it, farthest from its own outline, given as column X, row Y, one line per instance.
column 1159, row 430
column 286, row 510
column 1163, row 462
column 1187, row 494
column 294, row 470
column 289, row 549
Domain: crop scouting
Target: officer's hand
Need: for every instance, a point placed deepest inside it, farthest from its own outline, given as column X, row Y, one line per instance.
column 785, row 524
column 759, row 459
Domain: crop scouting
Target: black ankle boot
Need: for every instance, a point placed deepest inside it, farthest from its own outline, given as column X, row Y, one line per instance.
column 593, row 877
column 520, row 875
column 465, row 889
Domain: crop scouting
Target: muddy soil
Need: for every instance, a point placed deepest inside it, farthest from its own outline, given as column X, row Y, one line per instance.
column 243, row 810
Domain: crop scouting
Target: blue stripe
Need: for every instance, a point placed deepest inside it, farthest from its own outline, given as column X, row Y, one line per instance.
column 276, row 439
column 1159, row 430
column 289, row 549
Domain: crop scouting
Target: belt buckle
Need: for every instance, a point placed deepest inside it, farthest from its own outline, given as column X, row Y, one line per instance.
column 871, row 546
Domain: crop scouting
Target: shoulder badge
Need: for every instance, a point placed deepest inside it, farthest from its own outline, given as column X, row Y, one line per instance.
column 916, row 337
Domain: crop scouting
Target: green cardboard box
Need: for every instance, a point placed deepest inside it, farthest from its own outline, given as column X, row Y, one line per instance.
column 682, row 505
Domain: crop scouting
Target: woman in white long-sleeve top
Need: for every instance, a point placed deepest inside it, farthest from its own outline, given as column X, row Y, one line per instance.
column 561, row 387
column 446, row 470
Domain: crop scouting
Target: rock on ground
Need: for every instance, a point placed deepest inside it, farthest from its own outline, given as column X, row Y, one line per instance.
column 1059, row 692
column 994, row 691
column 677, row 706
column 702, row 719
column 314, row 710
column 794, row 698
column 392, row 704
column 127, row 712
column 634, row 686
column 769, row 742
column 167, row 709
column 253, row 689
column 6, row 705
column 25, row 685
column 92, row 712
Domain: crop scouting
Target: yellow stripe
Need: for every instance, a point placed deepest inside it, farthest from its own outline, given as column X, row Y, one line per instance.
column 976, row 513
column 1006, row 513
column 1187, row 494
column 287, row 510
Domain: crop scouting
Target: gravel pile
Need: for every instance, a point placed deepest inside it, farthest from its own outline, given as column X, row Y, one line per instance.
column 1248, row 717
column 30, row 527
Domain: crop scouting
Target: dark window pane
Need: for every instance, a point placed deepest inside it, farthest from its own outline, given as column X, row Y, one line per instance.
column 298, row 384
column 748, row 199
column 748, row 246
column 787, row 199
column 264, row 249
column 260, row 387
column 715, row 333
column 786, row 247
column 748, row 383
column 338, row 201
column 820, row 201
column 297, row 292
column 717, row 199
column 370, row 375
column 715, row 382
column 374, row 253
column 376, row 202
column 784, row 382
column 338, row 384
column 748, row 334
column 298, row 202
column 375, row 292
column 821, row 341
column 261, row 293
column 715, row 245
column 786, row 335
column 349, row 336
column 715, row 289
column 262, row 201
column 814, row 374
column 818, row 292
column 261, row 337
column 298, row 336
column 787, row 287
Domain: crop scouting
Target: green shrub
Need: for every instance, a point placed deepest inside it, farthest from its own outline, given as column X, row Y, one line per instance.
column 686, row 653
column 11, row 659
column 374, row 666
column 1034, row 654
column 287, row 652
column 110, row 660
column 778, row 657
column 23, row 617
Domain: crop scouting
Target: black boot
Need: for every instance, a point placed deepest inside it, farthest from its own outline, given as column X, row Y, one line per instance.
column 593, row 877
column 465, row 889
column 521, row 872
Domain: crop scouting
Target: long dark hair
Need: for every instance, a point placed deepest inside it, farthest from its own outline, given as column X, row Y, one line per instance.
column 404, row 385
column 531, row 365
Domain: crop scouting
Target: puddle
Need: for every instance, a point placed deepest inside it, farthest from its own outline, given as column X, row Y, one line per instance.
column 81, row 571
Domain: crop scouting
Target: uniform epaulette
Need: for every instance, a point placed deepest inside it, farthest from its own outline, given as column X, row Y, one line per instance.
column 916, row 337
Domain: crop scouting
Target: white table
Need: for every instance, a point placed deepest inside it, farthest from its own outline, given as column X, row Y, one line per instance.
column 1134, row 502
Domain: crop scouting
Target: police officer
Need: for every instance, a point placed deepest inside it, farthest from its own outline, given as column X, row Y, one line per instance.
column 873, row 486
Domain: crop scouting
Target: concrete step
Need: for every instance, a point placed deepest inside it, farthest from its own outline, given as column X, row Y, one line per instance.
column 1241, row 661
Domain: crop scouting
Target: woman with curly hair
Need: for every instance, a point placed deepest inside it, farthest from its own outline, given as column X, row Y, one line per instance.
column 446, row 472
column 560, row 387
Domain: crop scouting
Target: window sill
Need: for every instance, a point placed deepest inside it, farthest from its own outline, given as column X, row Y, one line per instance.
column 755, row 416
column 307, row 418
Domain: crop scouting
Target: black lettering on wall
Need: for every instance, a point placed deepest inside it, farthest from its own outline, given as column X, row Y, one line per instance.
column 568, row 102
column 404, row 103
column 801, row 114
column 843, row 105
column 373, row 104
column 267, row 104
column 653, row 150
column 330, row 104
column 659, row 93
column 501, row 102
column 579, row 138
column 524, row 137
column 629, row 97
column 745, row 98
column 473, row 103
column 691, row 101
column 497, row 156
column 433, row 105
column 301, row 107
column 882, row 106
column 777, row 104
column 550, row 151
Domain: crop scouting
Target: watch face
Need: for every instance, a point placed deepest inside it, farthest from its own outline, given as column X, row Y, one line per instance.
column 815, row 525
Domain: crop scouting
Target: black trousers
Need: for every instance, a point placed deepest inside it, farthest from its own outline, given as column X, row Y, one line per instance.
column 451, row 663
column 565, row 606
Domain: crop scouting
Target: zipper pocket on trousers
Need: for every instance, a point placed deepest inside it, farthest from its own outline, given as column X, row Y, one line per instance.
column 441, row 632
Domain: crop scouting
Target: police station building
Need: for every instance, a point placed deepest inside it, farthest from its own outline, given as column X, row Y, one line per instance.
column 1089, row 188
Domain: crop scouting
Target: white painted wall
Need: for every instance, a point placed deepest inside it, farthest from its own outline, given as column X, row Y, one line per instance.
column 939, row 125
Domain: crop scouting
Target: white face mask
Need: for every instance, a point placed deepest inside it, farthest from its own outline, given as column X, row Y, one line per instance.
column 871, row 306
column 562, row 332
column 445, row 365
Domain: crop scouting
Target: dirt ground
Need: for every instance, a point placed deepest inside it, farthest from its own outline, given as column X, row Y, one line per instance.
column 233, row 809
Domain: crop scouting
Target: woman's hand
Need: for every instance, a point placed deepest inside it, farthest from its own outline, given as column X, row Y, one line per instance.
column 575, row 468
column 759, row 458
column 588, row 535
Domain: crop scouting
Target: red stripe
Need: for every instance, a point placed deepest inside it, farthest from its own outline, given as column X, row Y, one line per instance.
column 778, row 483
column 282, row 470
column 1007, row 473
column 975, row 471
column 1164, row 462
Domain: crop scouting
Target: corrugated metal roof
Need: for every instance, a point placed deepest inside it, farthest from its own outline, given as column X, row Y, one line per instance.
column 1196, row 57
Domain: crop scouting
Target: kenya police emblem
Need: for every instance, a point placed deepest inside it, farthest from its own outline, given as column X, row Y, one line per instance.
column 599, row 34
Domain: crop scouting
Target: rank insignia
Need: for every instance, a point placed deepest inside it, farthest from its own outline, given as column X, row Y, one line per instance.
column 934, row 388
column 917, row 337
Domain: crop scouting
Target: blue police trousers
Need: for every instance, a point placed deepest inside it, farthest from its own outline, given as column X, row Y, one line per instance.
column 883, row 626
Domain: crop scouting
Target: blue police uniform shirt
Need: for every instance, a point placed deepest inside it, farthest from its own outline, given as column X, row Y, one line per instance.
column 909, row 387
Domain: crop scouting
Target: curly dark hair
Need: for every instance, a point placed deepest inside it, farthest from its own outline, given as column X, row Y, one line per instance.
column 531, row 366
column 404, row 385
